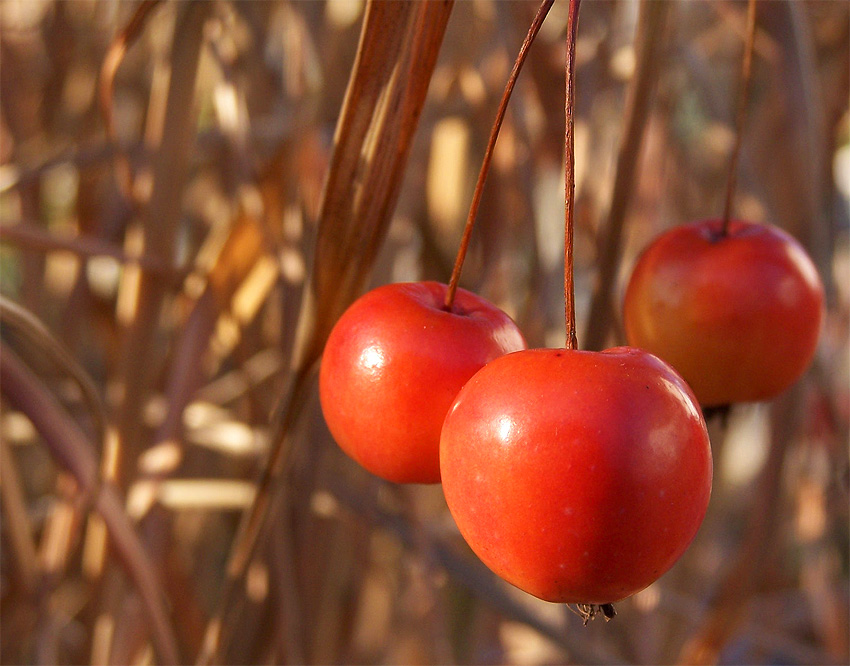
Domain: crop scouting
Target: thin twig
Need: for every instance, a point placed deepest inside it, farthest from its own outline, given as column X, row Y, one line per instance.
column 740, row 119
column 542, row 12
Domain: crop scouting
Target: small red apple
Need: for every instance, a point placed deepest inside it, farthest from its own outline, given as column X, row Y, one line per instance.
column 738, row 315
column 580, row 477
column 394, row 363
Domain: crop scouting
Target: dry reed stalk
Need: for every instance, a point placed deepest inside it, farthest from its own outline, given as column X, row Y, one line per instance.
column 809, row 111
column 171, row 128
column 17, row 522
column 650, row 46
column 397, row 52
column 162, row 217
column 728, row 606
column 108, row 69
column 72, row 451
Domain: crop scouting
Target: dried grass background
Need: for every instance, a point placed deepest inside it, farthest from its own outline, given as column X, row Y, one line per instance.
column 191, row 193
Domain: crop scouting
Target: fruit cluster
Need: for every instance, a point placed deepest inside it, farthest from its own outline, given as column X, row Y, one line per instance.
column 580, row 477
column 577, row 476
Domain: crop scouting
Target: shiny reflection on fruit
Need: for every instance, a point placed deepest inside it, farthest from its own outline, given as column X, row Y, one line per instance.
column 373, row 358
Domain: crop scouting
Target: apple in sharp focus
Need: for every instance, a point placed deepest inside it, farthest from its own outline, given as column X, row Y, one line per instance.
column 394, row 363
column 579, row 477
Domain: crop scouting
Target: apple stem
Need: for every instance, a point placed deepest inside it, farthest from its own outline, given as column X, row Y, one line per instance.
column 569, row 176
column 743, row 97
column 542, row 11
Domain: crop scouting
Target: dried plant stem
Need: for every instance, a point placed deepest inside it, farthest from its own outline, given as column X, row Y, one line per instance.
column 162, row 218
column 742, row 579
column 17, row 523
column 109, row 67
column 570, row 177
column 32, row 237
column 740, row 119
column 542, row 12
column 74, row 453
column 650, row 30
column 399, row 43
column 248, row 537
column 37, row 333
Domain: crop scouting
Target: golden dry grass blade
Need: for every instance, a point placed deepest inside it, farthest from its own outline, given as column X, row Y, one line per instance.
column 72, row 451
column 398, row 50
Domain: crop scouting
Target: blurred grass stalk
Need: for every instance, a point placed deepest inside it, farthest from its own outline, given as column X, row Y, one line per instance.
column 398, row 49
column 72, row 452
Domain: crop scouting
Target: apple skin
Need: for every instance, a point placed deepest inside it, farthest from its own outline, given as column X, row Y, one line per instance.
column 738, row 316
column 394, row 363
column 579, row 477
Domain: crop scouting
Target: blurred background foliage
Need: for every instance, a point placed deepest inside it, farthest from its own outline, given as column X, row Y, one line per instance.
column 176, row 231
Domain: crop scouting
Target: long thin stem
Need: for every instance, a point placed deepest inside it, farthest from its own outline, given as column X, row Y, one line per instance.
column 542, row 11
column 570, row 177
column 743, row 98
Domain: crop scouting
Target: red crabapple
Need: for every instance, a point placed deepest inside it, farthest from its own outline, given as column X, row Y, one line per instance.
column 737, row 315
column 579, row 477
column 394, row 363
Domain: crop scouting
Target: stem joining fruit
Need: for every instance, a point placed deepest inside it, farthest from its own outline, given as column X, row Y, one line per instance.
column 569, row 176
column 542, row 11
column 743, row 98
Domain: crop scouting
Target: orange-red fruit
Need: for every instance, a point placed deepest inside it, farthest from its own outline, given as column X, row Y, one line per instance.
column 738, row 315
column 580, row 477
column 394, row 363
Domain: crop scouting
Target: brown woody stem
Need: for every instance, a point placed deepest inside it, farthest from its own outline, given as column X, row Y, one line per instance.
column 542, row 11
column 569, row 177
column 743, row 97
